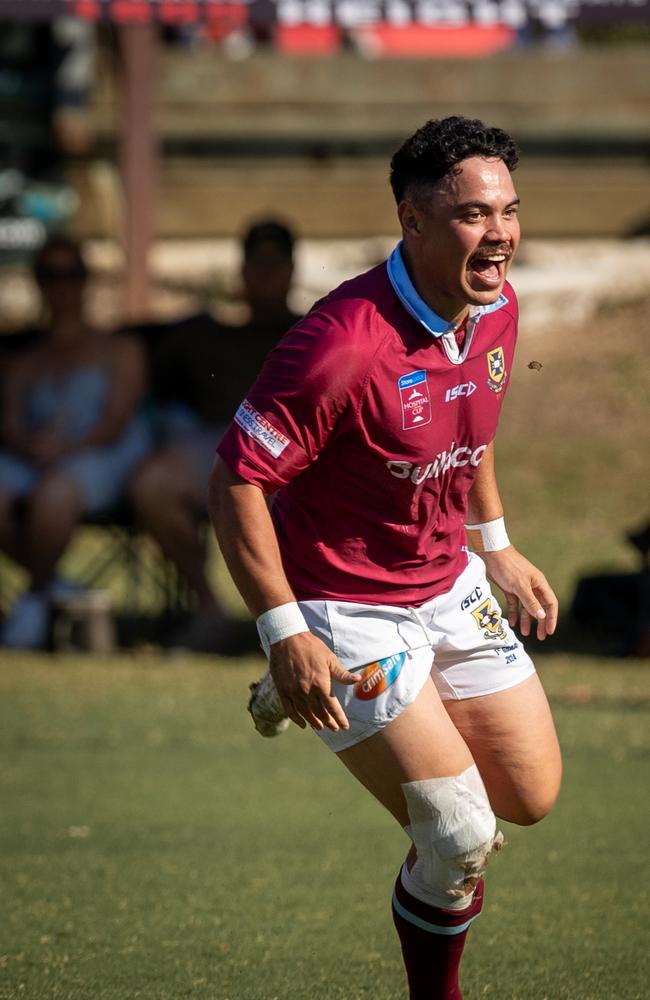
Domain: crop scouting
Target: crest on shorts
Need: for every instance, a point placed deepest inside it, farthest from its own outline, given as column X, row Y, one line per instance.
column 496, row 363
column 378, row 676
column 489, row 618
column 415, row 400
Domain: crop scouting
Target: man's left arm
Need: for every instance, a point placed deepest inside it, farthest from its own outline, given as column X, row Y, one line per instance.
column 528, row 593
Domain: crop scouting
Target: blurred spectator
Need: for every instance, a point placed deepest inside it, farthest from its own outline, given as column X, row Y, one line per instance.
column 615, row 607
column 47, row 70
column 69, row 436
column 207, row 368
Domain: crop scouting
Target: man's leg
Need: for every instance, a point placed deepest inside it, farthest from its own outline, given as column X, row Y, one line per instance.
column 10, row 534
column 18, row 479
column 167, row 498
column 54, row 510
column 421, row 769
column 512, row 738
column 51, row 514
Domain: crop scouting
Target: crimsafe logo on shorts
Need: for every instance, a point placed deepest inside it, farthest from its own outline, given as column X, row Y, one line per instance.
column 415, row 400
column 378, row 676
column 258, row 427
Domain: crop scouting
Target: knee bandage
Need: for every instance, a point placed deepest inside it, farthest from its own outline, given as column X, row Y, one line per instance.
column 454, row 831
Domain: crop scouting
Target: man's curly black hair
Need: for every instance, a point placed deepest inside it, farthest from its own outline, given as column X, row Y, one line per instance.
column 435, row 149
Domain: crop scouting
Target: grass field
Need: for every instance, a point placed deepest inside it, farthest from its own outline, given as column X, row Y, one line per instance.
column 154, row 846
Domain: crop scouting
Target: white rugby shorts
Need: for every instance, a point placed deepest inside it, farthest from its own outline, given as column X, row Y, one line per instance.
column 459, row 638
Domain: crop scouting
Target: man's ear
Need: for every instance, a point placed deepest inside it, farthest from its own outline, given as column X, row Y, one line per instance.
column 409, row 218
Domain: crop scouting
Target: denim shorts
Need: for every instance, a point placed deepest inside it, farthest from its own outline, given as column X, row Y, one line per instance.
column 101, row 473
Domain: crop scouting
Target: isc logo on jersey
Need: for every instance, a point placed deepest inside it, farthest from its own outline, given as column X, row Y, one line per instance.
column 378, row 676
column 464, row 389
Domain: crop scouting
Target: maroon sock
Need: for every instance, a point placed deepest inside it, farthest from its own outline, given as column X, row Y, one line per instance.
column 432, row 943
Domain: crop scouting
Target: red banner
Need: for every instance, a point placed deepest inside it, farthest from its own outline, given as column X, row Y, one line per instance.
column 344, row 14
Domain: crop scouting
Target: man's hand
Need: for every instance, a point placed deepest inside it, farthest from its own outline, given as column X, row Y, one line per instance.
column 528, row 593
column 303, row 669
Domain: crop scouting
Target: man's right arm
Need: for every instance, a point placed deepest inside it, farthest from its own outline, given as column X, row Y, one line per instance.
column 302, row 666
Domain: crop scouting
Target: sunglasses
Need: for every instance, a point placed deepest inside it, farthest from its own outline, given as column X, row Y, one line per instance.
column 51, row 275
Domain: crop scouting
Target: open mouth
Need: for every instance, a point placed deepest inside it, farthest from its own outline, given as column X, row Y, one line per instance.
column 489, row 269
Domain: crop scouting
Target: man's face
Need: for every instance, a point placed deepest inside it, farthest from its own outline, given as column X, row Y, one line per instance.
column 62, row 283
column 267, row 273
column 461, row 238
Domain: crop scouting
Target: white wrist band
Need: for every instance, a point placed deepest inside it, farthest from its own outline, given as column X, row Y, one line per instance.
column 488, row 537
column 281, row 622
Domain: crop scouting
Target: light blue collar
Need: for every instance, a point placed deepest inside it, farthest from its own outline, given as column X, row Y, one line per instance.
column 415, row 304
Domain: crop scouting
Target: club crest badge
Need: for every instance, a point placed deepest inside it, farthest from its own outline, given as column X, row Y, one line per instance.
column 489, row 618
column 415, row 400
column 496, row 363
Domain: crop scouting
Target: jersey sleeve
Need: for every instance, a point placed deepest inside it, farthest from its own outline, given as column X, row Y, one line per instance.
column 306, row 385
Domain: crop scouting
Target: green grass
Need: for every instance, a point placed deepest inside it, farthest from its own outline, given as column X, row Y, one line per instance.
column 153, row 846
column 573, row 445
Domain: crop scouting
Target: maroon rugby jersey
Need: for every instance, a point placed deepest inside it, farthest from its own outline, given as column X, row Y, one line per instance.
column 372, row 431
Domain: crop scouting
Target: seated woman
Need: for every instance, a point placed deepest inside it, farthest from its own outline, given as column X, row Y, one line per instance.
column 69, row 434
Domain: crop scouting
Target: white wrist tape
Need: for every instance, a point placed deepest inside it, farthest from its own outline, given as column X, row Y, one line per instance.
column 488, row 537
column 281, row 622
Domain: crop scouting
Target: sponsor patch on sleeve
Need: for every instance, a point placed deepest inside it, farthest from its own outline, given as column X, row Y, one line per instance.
column 258, row 427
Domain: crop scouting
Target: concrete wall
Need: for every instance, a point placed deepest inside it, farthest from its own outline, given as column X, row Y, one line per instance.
column 269, row 134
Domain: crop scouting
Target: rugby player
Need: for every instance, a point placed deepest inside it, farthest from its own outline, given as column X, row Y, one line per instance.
column 373, row 425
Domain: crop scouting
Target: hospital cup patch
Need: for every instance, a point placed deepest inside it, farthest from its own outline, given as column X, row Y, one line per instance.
column 378, row 676
column 415, row 400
